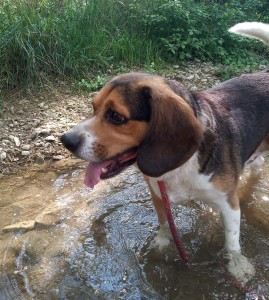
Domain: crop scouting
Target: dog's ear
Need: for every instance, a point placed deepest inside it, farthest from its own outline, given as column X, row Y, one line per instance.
column 174, row 132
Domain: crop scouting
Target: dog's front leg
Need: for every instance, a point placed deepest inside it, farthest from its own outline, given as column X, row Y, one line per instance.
column 163, row 237
column 231, row 221
column 238, row 265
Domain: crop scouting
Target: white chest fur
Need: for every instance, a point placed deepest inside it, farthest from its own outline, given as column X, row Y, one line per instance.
column 186, row 183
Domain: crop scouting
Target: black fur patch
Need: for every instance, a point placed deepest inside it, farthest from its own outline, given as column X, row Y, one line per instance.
column 240, row 107
column 138, row 102
column 137, row 99
column 185, row 94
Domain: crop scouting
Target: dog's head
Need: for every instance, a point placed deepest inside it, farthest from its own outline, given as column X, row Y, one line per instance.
column 137, row 118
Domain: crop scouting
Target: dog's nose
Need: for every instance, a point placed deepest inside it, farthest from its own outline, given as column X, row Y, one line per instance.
column 71, row 141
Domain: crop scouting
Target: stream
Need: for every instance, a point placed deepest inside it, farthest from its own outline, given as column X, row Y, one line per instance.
column 62, row 240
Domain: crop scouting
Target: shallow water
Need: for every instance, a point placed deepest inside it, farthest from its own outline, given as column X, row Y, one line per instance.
column 78, row 243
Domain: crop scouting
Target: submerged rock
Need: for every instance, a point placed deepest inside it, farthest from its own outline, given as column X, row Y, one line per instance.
column 49, row 217
column 25, row 225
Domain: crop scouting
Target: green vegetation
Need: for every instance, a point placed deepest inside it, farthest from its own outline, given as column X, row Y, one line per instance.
column 1, row 105
column 84, row 38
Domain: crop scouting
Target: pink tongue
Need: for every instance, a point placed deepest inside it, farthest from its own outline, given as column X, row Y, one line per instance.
column 93, row 173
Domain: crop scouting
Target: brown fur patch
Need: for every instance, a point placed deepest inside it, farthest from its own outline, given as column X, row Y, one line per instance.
column 110, row 98
column 113, row 140
column 227, row 183
column 158, row 204
column 174, row 134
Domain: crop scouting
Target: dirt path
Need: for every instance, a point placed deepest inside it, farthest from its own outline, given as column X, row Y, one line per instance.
column 32, row 122
column 31, row 125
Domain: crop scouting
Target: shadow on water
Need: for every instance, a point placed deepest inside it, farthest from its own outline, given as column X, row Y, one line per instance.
column 60, row 240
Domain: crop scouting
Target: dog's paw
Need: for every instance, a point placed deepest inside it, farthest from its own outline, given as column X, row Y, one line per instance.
column 163, row 238
column 256, row 166
column 239, row 266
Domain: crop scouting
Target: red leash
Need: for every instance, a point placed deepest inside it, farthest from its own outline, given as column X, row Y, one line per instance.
column 170, row 219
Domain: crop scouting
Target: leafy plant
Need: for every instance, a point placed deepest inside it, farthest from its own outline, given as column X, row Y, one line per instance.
column 94, row 84
column 78, row 39
column 1, row 104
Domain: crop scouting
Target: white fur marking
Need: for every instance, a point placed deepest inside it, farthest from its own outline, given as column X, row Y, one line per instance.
column 163, row 237
column 186, row 183
column 231, row 221
column 86, row 150
column 240, row 267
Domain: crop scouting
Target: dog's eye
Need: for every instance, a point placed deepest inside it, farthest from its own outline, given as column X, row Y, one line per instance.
column 115, row 118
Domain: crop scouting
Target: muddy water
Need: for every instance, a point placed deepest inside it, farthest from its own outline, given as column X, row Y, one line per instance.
column 61, row 240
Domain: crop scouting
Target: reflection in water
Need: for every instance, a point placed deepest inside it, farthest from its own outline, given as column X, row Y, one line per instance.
column 77, row 243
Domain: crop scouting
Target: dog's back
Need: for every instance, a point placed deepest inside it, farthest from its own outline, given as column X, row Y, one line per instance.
column 253, row 88
column 240, row 107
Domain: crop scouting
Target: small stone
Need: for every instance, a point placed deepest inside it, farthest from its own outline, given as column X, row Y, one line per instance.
column 3, row 156
column 71, row 124
column 50, row 138
column 58, row 157
column 190, row 77
column 40, row 160
column 45, row 131
column 47, row 145
column 25, row 153
column 15, row 140
column 26, row 147
column 51, row 216
column 41, row 105
column 59, row 134
column 36, row 123
column 33, row 135
column 26, row 225
column 5, row 142
column 194, row 88
column 39, row 144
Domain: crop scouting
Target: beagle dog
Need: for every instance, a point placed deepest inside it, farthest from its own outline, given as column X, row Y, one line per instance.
column 197, row 142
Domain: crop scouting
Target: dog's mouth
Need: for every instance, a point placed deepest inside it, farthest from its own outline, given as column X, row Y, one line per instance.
column 109, row 168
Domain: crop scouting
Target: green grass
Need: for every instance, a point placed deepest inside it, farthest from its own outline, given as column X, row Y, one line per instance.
column 1, row 104
column 78, row 39
column 41, row 38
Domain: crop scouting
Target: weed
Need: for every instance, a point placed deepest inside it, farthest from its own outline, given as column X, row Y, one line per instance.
column 1, row 105
column 80, row 39
column 93, row 84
